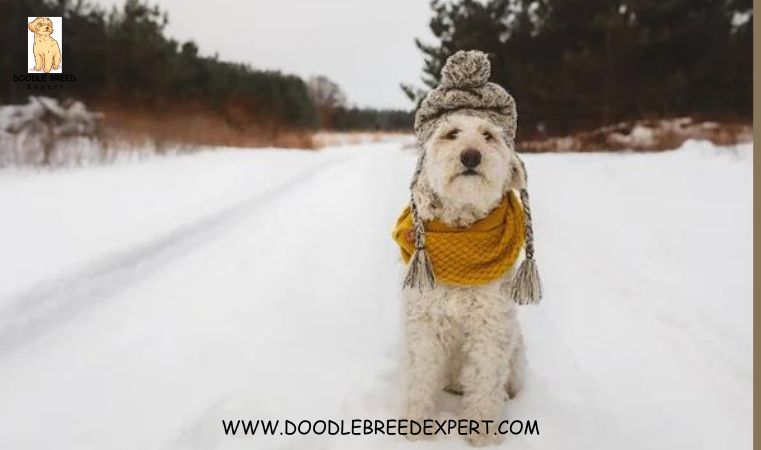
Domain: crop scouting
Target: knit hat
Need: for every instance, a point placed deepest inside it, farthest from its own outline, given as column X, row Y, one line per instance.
column 465, row 89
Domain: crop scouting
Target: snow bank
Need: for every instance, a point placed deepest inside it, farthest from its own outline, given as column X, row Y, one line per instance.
column 44, row 131
column 141, row 304
column 644, row 135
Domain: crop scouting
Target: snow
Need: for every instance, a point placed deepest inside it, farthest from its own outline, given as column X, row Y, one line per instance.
column 142, row 303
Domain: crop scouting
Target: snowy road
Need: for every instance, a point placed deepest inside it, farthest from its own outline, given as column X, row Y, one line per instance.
column 141, row 304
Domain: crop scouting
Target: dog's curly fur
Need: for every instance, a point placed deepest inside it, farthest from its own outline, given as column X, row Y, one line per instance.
column 465, row 339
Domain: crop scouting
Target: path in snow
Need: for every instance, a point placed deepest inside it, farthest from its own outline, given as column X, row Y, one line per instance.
column 145, row 303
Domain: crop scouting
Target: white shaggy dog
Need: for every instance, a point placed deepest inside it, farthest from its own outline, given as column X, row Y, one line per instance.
column 465, row 339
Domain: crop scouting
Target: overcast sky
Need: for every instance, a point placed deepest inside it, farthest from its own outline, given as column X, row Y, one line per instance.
column 366, row 46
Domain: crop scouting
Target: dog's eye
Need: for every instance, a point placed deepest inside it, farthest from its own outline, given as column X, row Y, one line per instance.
column 488, row 136
column 452, row 134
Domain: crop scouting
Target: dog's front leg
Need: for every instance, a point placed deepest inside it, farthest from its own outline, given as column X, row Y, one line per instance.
column 486, row 368
column 38, row 61
column 47, row 63
column 426, row 363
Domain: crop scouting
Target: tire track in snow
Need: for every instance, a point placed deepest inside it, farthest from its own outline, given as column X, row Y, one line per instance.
column 49, row 304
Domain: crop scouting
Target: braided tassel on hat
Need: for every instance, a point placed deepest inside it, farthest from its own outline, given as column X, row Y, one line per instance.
column 420, row 271
column 527, row 286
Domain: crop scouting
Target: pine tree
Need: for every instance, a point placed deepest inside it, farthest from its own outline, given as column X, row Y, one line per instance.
column 574, row 64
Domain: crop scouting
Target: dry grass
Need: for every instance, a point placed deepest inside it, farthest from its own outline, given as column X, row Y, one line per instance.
column 183, row 128
column 197, row 127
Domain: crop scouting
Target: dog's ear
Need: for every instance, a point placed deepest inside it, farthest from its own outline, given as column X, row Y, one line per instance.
column 33, row 24
column 517, row 179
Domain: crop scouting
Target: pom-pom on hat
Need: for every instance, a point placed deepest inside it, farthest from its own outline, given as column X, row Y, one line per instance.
column 465, row 89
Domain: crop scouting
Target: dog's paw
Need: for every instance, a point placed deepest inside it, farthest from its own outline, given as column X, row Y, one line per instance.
column 418, row 411
column 483, row 440
column 418, row 415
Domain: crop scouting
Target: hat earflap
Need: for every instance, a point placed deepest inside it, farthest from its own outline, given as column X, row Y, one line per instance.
column 527, row 286
column 420, row 271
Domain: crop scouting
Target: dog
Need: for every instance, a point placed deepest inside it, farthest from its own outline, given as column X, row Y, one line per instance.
column 47, row 53
column 464, row 339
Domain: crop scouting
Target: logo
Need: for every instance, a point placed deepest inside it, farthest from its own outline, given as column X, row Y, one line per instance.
column 44, row 45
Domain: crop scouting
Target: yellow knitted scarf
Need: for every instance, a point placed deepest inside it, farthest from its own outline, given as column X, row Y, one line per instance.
column 481, row 253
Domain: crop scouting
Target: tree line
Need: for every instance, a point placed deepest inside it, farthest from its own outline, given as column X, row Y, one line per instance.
column 574, row 64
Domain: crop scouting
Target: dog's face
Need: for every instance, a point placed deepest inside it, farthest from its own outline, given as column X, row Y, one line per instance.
column 468, row 162
column 41, row 26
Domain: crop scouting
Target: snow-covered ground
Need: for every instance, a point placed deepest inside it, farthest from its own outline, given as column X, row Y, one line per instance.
column 143, row 303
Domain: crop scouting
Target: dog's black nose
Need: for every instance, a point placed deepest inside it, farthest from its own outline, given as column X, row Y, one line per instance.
column 470, row 158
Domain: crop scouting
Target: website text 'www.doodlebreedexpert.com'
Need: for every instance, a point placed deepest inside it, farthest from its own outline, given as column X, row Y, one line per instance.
column 390, row 427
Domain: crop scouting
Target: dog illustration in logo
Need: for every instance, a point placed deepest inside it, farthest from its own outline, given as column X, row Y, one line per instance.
column 47, row 54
